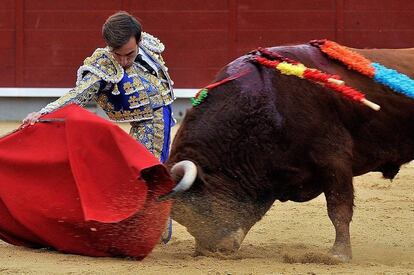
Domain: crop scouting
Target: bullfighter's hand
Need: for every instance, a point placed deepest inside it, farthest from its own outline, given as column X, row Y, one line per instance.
column 31, row 118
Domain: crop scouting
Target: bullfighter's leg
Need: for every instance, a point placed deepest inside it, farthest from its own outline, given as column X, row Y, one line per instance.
column 339, row 193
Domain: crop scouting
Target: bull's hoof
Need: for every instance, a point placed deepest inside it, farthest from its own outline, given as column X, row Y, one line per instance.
column 342, row 258
column 343, row 255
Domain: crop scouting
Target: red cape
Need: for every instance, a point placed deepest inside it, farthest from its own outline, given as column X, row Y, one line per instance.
column 81, row 185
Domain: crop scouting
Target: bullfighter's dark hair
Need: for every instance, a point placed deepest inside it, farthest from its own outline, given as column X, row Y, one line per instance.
column 119, row 28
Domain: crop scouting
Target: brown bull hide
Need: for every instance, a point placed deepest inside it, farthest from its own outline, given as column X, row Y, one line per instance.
column 266, row 137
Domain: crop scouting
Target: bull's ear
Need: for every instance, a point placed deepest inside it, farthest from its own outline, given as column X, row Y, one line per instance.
column 187, row 171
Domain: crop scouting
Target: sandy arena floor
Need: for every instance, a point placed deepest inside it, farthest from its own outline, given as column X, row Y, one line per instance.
column 292, row 238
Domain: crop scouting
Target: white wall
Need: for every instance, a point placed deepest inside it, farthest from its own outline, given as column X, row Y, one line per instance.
column 16, row 103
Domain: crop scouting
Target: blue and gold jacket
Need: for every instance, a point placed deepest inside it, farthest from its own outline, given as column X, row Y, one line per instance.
column 125, row 95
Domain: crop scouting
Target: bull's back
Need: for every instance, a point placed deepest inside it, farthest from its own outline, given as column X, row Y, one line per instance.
column 308, row 108
column 301, row 114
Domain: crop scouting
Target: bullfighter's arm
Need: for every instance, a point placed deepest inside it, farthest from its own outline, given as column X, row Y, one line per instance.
column 84, row 92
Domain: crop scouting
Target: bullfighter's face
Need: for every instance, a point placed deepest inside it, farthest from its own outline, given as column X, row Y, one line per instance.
column 126, row 54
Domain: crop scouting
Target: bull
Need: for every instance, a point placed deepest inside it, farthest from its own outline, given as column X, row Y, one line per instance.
column 266, row 136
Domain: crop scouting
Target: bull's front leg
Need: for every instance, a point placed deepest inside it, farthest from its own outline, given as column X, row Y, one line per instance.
column 339, row 193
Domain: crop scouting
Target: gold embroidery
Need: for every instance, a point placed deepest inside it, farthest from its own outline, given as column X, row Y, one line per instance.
column 143, row 97
column 138, row 83
column 129, row 89
column 153, row 80
column 158, row 140
column 133, row 101
column 115, row 90
column 109, row 106
column 134, row 115
column 157, row 100
column 102, row 64
column 102, row 100
column 150, row 133
column 152, row 43
column 118, row 115
column 154, row 90
column 130, row 71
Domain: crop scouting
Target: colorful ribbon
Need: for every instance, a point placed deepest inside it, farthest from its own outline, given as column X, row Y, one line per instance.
column 397, row 81
column 297, row 69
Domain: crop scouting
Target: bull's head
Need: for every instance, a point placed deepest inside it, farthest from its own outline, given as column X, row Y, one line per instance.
column 217, row 221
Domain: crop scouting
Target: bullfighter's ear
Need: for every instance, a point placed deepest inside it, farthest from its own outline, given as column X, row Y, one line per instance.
column 188, row 170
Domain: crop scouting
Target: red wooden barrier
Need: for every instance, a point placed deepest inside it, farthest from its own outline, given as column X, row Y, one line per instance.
column 43, row 42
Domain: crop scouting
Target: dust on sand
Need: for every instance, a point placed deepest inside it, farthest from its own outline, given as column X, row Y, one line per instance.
column 292, row 238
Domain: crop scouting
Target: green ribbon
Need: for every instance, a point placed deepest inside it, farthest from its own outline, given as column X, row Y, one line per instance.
column 199, row 98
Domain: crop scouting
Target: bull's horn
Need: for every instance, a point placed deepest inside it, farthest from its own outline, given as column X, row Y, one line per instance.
column 186, row 168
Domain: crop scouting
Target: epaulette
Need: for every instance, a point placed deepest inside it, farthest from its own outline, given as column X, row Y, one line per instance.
column 151, row 43
column 102, row 64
